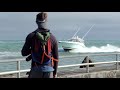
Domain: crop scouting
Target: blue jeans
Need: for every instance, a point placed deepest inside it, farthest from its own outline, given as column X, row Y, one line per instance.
column 36, row 74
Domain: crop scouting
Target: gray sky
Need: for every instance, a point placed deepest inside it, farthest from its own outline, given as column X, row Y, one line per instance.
column 17, row 25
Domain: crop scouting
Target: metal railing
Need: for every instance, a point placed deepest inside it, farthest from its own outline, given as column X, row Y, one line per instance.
column 19, row 71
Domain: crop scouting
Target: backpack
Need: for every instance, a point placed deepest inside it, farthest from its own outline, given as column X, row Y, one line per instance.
column 44, row 38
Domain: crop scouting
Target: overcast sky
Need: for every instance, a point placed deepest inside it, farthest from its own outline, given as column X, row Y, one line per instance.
column 17, row 25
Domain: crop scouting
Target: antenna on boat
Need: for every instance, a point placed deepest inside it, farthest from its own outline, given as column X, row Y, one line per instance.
column 88, row 31
column 76, row 33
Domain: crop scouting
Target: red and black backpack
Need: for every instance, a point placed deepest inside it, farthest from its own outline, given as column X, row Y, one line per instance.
column 42, row 53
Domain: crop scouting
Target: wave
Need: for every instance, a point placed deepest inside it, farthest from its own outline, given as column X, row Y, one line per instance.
column 12, row 41
column 94, row 49
column 9, row 54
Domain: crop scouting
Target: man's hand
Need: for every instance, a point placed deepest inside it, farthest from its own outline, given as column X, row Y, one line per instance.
column 29, row 58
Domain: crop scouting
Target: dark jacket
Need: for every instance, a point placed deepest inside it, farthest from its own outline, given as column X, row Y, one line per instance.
column 29, row 45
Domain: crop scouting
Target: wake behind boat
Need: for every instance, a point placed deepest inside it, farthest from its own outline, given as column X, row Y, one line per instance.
column 74, row 43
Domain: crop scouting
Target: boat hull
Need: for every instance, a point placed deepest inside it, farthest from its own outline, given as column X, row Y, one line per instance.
column 69, row 45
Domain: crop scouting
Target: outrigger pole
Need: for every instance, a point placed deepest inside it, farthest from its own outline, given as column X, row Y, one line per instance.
column 76, row 33
column 88, row 31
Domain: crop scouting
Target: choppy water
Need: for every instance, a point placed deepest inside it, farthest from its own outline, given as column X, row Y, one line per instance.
column 10, row 50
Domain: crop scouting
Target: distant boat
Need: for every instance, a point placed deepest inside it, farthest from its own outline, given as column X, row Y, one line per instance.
column 74, row 42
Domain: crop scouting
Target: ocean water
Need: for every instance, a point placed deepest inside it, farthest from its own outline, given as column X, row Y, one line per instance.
column 11, row 50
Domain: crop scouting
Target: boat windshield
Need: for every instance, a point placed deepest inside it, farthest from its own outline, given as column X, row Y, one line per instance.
column 76, row 39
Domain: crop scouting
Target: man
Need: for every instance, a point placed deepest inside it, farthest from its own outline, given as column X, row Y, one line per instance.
column 33, row 47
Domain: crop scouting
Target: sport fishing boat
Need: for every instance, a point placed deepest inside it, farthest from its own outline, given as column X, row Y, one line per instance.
column 74, row 42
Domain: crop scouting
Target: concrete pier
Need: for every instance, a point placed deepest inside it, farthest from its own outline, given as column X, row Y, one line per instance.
column 106, row 69
column 99, row 74
column 94, row 72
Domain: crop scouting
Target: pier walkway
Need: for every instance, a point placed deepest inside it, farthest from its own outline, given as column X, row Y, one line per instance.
column 106, row 69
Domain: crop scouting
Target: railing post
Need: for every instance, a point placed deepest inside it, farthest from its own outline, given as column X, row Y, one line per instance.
column 116, row 62
column 87, row 66
column 18, row 68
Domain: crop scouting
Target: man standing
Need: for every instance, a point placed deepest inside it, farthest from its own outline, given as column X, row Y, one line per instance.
column 42, row 48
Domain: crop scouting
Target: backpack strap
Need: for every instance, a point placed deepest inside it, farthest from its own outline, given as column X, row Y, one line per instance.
column 49, row 46
column 49, row 55
column 44, row 50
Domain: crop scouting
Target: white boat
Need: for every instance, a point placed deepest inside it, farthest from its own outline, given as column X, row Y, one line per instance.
column 74, row 42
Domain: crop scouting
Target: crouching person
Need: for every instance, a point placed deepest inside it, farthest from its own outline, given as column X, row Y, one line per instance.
column 85, row 61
